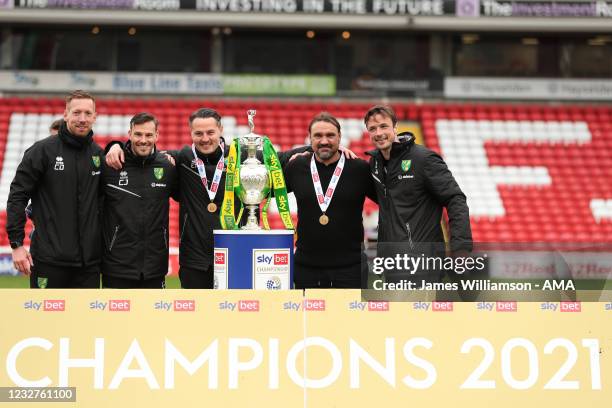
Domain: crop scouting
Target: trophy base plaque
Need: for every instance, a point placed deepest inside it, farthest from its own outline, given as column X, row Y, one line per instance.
column 253, row 259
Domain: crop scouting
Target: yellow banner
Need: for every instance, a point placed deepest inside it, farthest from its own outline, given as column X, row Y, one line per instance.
column 190, row 348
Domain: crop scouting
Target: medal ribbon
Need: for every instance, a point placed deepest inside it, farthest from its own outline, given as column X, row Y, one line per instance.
column 325, row 199
column 214, row 187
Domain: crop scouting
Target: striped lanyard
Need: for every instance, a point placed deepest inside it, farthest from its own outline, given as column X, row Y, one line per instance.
column 324, row 200
column 214, row 187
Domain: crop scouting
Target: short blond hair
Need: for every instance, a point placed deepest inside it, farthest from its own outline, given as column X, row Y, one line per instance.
column 79, row 94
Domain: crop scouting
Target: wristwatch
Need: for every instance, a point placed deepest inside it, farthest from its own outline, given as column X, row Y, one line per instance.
column 15, row 244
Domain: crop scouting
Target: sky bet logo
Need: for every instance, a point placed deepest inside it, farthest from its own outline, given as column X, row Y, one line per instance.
column 371, row 306
column 274, row 259
column 219, row 258
column 315, row 305
column 187, row 305
column 242, row 305
column 566, row 307
column 47, row 305
column 113, row 305
column 503, row 306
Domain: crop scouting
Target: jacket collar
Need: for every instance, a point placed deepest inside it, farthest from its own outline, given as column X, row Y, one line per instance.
column 77, row 142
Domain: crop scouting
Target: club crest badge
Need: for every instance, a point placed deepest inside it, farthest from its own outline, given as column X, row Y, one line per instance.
column 406, row 164
column 158, row 172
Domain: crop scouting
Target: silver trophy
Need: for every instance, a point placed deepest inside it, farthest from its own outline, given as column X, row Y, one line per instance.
column 254, row 179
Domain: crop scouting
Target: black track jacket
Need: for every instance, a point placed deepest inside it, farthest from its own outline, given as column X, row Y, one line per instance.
column 135, row 215
column 61, row 174
column 412, row 189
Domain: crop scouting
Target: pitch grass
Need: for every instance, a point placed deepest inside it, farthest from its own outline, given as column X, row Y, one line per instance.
column 22, row 282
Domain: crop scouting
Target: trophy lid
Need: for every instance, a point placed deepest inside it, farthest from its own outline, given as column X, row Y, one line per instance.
column 251, row 115
column 252, row 138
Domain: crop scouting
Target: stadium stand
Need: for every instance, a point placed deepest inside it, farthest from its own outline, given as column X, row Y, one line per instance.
column 531, row 173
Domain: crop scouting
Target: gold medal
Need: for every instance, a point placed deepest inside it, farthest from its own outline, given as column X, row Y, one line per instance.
column 212, row 207
column 324, row 219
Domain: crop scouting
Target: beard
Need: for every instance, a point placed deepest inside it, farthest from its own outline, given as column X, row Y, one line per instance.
column 143, row 151
column 326, row 154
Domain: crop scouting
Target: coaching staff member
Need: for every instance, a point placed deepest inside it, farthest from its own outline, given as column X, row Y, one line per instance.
column 413, row 185
column 136, row 205
column 330, row 192
column 61, row 175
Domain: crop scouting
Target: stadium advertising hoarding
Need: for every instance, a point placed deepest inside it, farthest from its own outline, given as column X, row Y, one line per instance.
column 524, row 88
column 169, row 83
column 461, row 8
column 317, row 349
column 298, row 85
column 494, row 8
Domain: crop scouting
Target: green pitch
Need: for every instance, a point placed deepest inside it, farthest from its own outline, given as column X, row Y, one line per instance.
column 22, row 282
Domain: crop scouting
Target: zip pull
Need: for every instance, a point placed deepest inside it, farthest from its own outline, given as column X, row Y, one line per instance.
column 110, row 248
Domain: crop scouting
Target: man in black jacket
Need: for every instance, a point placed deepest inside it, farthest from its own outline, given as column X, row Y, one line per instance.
column 413, row 185
column 330, row 192
column 201, row 196
column 61, row 175
column 136, row 205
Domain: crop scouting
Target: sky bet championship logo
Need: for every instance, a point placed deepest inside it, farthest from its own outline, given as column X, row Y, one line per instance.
column 271, row 269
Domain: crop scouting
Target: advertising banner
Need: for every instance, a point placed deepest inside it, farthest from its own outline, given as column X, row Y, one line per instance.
column 414, row 8
column 159, row 348
column 521, row 88
column 168, row 83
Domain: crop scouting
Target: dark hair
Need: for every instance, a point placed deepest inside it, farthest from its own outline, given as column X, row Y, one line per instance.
column 382, row 110
column 204, row 113
column 143, row 117
column 324, row 117
column 56, row 124
column 80, row 94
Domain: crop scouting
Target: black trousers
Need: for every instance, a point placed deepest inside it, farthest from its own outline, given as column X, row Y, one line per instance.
column 58, row 277
column 194, row 278
column 113, row 282
column 346, row 277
